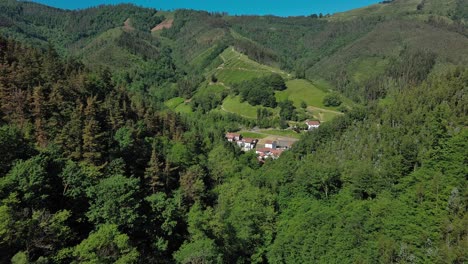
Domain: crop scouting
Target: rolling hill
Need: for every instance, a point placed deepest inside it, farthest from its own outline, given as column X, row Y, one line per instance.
column 113, row 144
column 351, row 50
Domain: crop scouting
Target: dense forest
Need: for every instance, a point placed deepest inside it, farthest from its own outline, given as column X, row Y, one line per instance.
column 96, row 168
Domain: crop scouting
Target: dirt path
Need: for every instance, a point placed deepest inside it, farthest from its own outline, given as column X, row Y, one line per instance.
column 261, row 69
column 165, row 24
column 223, row 84
column 128, row 25
column 314, row 108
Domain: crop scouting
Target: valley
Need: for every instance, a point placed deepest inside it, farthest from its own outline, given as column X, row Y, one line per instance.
column 134, row 135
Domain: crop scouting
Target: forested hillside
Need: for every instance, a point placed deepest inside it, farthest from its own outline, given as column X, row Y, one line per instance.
column 356, row 52
column 112, row 135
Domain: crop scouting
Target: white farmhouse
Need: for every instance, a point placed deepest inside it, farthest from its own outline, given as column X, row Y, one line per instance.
column 312, row 124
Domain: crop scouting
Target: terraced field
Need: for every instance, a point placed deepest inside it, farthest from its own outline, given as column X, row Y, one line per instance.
column 179, row 105
column 237, row 67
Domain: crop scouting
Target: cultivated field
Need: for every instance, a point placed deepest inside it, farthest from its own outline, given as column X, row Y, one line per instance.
column 174, row 102
column 300, row 91
column 237, row 67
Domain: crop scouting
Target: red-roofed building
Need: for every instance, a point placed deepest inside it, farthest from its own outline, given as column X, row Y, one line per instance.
column 312, row 124
column 231, row 137
column 263, row 151
column 249, row 143
column 276, row 153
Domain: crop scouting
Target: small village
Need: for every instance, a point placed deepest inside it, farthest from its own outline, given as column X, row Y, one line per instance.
column 267, row 149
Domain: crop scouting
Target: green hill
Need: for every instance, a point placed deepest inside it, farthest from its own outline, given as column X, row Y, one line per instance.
column 237, row 67
column 352, row 51
column 113, row 143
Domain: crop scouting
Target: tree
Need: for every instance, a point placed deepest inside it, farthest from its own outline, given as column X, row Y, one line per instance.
column 71, row 137
column 165, row 217
column 260, row 91
column 75, row 181
column 287, row 110
column 242, row 221
column 30, row 181
column 39, row 116
column 92, row 133
column 13, row 146
column 221, row 163
column 200, row 251
column 192, row 183
column 276, row 82
column 332, row 99
column 319, row 179
column 20, row 258
column 124, row 137
column 153, row 173
column 113, row 200
column 7, row 221
column 105, row 245
column 48, row 232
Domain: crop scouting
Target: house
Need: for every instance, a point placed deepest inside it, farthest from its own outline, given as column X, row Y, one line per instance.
column 246, row 144
column 231, row 137
column 312, row 124
column 249, row 143
column 263, row 154
column 270, row 144
column 276, row 153
column 263, row 151
column 261, row 157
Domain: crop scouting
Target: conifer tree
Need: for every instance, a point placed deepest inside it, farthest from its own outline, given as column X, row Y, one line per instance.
column 71, row 136
column 92, row 133
column 153, row 173
column 38, row 112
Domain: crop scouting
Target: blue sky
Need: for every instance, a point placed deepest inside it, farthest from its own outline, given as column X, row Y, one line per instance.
column 239, row 7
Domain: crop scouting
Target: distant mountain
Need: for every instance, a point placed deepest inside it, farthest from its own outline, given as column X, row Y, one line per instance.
column 352, row 50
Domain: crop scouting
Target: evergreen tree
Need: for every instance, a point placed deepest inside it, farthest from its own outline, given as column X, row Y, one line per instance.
column 38, row 113
column 93, row 144
column 153, row 172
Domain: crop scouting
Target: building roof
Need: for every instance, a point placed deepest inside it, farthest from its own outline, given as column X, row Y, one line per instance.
column 264, row 150
column 232, row 135
column 276, row 152
column 249, row 140
column 313, row 123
